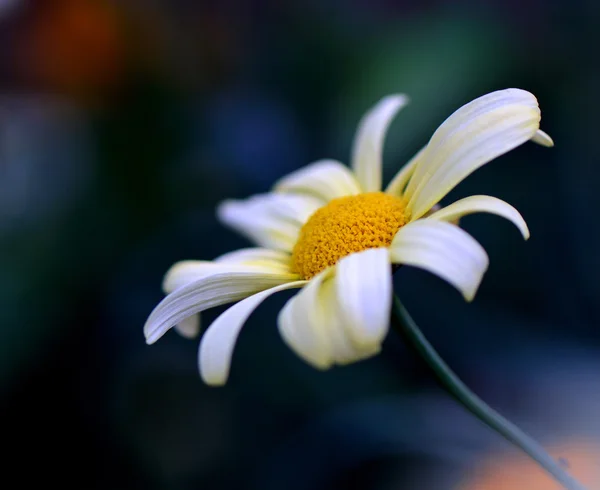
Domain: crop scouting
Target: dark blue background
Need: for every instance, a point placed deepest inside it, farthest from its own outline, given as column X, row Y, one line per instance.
column 123, row 124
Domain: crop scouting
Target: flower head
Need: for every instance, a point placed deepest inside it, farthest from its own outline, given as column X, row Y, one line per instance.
column 333, row 232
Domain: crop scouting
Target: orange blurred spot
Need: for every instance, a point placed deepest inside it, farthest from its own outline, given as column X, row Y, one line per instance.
column 74, row 46
column 581, row 460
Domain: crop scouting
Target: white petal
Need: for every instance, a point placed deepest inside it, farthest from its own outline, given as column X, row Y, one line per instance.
column 482, row 204
column 205, row 293
column 187, row 271
column 442, row 249
column 263, row 257
column 294, row 207
column 331, row 320
column 255, row 254
column 245, row 260
column 189, row 327
column 271, row 220
column 398, row 184
column 300, row 328
column 216, row 346
column 324, row 179
column 364, row 289
column 368, row 142
column 312, row 325
column 542, row 138
column 474, row 135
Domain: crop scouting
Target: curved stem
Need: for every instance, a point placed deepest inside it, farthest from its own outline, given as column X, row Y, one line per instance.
column 410, row 331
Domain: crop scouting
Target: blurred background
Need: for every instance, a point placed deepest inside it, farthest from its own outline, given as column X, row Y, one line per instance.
column 124, row 122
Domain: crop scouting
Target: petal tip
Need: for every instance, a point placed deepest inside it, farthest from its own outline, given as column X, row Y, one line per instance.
column 214, row 382
column 524, row 229
column 211, row 375
column 542, row 139
column 469, row 294
column 398, row 99
column 189, row 328
column 151, row 337
column 227, row 211
column 469, row 297
column 151, row 332
column 224, row 207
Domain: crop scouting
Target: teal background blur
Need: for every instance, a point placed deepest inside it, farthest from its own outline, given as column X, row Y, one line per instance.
column 123, row 124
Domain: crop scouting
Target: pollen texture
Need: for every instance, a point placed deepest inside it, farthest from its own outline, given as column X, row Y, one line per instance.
column 344, row 226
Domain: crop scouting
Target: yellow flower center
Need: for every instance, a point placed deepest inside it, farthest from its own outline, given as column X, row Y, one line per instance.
column 344, row 226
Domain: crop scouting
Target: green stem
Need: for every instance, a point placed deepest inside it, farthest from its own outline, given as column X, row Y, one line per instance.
column 410, row 331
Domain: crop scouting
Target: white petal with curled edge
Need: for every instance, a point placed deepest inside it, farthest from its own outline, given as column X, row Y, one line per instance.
column 207, row 292
column 331, row 321
column 324, row 179
column 216, row 346
column 300, row 328
column 246, row 260
column 482, row 204
column 368, row 142
column 444, row 250
column 363, row 284
column 471, row 137
column 189, row 327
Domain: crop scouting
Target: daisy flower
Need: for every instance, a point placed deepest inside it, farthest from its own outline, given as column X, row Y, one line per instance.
column 333, row 233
